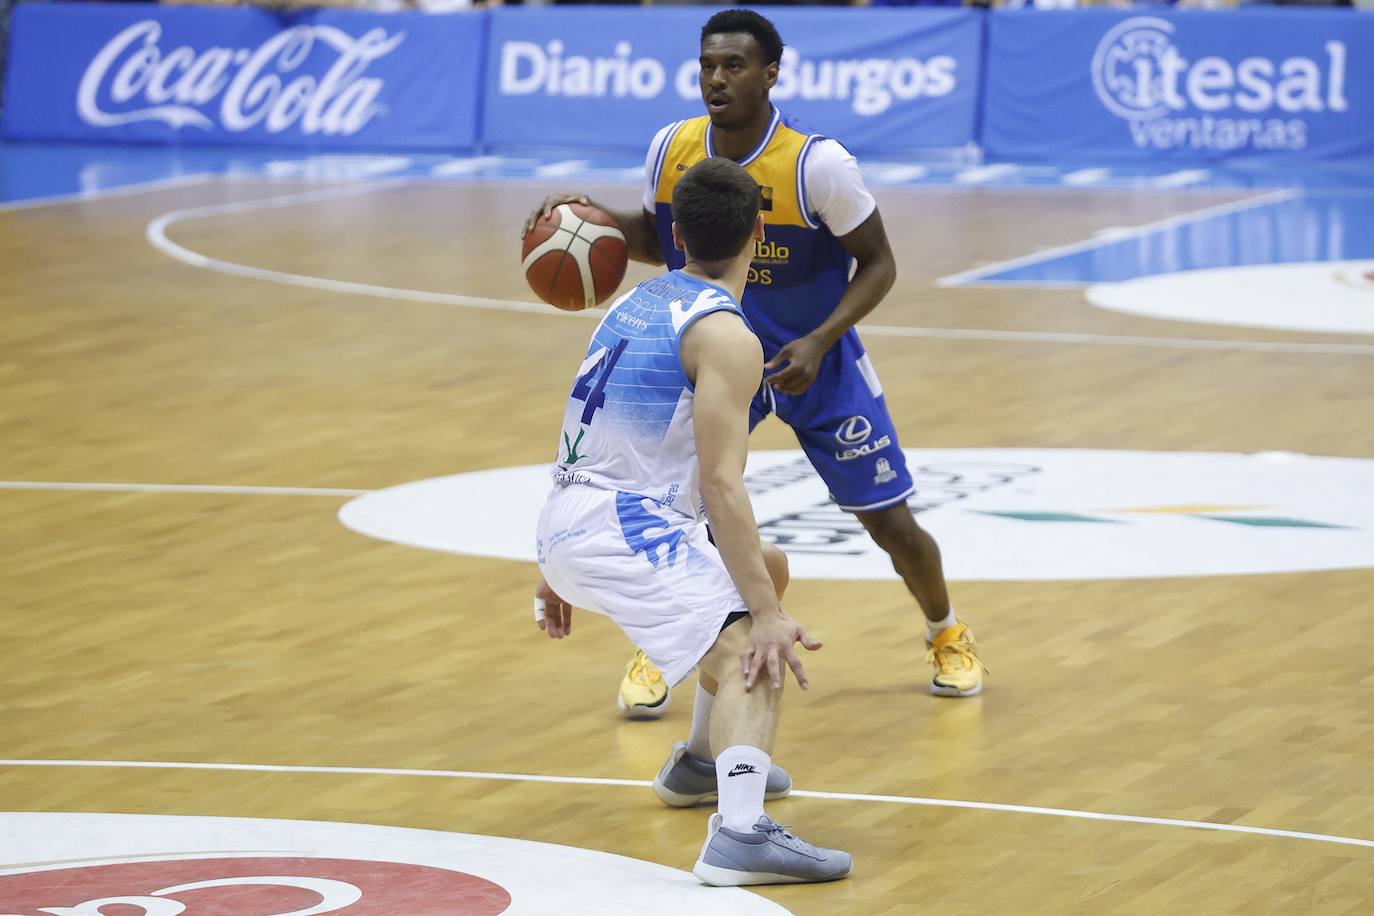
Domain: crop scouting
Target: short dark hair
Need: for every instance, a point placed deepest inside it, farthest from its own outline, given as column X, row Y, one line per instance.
column 715, row 206
column 764, row 32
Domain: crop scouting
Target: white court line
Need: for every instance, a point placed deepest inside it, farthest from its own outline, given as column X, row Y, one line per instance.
column 894, row 174
column 466, row 166
column 1034, row 284
column 1115, row 340
column 644, row 784
column 1235, row 206
column 1083, row 177
column 157, row 237
column 562, row 168
column 177, row 488
column 1180, row 179
column 981, row 174
column 124, row 190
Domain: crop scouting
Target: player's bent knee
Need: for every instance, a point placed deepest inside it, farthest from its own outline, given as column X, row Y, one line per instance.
column 778, row 570
column 723, row 656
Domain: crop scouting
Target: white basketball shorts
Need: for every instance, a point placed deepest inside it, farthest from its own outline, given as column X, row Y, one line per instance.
column 651, row 570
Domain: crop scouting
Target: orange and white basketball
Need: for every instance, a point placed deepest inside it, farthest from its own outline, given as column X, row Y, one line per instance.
column 575, row 257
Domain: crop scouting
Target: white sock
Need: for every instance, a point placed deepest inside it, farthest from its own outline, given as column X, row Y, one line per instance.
column 741, row 779
column 699, row 739
column 933, row 629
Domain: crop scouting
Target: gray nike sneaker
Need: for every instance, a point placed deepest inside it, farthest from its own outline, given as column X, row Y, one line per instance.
column 767, row 855
column 687, row 781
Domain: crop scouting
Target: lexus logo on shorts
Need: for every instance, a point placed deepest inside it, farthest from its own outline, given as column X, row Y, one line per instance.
column 854, row 431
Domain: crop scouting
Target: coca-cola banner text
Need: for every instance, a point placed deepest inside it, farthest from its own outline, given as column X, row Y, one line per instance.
column 332, row 78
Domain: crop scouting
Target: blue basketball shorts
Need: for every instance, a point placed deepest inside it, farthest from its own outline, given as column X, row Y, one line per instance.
column 843, row 426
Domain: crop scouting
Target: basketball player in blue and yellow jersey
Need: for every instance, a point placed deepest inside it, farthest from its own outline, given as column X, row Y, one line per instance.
column 821, row 223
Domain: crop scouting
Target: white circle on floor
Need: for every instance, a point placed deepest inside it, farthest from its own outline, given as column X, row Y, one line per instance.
column 81, row 863
column 1334, row 297
column 998, row 514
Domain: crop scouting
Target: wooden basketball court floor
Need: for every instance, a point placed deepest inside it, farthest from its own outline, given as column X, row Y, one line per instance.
column 247, row 626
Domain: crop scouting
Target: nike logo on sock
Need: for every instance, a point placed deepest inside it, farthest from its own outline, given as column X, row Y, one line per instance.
column 741, row 769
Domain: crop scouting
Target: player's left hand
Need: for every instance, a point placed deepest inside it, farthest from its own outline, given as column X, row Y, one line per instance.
column 552, row 613
column 803, row 359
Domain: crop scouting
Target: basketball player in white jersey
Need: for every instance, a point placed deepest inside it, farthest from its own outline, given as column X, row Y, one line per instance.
column 653, row 442
column 827, row 265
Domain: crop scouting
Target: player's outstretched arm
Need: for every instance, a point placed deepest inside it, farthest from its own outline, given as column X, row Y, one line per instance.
column 641, row 238
column 725, row 362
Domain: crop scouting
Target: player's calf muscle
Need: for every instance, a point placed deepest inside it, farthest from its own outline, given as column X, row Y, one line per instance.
column 740, row 716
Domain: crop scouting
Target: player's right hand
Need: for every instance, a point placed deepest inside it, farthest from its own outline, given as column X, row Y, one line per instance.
column 552, row 614
column 771, row 640
column 547, row 206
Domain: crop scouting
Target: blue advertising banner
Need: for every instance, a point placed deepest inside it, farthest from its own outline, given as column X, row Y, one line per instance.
column 136, row 72
column 1184, row 85
column 879, row 80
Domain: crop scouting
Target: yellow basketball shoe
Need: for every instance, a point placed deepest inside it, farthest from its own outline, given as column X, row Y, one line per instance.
column 954, row 656
column 643, row 692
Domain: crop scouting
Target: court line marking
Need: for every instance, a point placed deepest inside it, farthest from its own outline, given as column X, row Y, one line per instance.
column 157, row 236
column 1123, row 340
column 124, row 190
column 644, row 784
column 179, row 488
column 1246, row 203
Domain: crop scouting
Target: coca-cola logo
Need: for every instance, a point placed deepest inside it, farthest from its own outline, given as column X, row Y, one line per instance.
column 256, row 886
column 132, row 78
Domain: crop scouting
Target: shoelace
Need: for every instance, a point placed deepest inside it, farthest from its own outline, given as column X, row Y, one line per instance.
column 959, row 649
column 778, row 834
column 640, row 668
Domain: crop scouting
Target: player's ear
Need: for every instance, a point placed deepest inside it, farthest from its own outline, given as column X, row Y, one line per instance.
column 677, row 238
column 758, row 227
column 770, row 75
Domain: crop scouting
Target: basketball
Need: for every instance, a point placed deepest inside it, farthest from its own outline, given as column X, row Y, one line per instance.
column 575, row 257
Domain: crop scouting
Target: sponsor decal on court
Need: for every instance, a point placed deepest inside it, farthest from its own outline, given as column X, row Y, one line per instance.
column 1322, row 296
column 1218, row 102
column 999, row 514
column 147, row 865
column 1360, row 276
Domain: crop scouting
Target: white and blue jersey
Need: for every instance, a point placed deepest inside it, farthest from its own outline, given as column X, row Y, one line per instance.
column 628, row 423
column 623, row 532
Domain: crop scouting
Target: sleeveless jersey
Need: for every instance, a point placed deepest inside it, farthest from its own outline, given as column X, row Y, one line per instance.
column 628, row 423
column 800, row 270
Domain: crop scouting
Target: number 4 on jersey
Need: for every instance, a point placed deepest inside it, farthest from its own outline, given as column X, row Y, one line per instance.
column 594, row 396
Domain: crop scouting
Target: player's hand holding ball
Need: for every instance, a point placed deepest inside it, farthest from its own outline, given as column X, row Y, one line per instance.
column 573, row 252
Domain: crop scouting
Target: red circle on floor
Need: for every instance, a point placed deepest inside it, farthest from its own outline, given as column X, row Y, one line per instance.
column 254, row 886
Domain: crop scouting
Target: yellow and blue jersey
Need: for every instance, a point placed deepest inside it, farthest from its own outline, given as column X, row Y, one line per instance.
column 800, row 270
